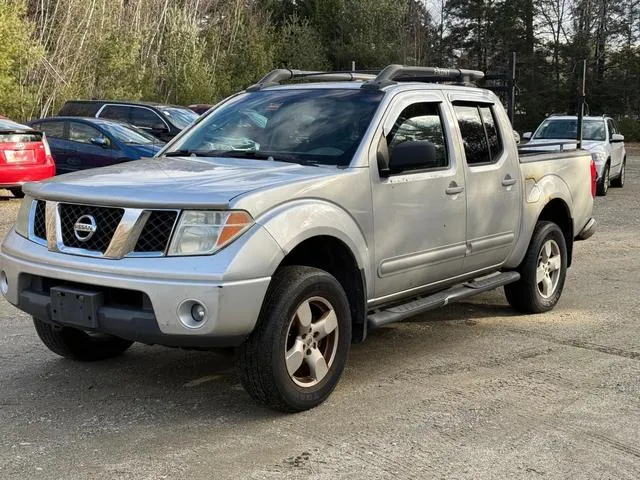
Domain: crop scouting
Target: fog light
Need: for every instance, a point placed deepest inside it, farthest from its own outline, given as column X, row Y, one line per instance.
column 4, row 283
column 198, row 312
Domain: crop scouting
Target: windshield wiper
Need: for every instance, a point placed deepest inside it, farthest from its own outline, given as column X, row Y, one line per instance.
column 188, row 153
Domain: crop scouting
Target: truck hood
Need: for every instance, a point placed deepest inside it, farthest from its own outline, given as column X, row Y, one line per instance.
column 173, row 182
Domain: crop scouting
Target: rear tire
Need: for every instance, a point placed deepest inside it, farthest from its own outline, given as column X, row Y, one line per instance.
column 79, row 345
column 542, row 272
column 618, row 182
column 17, row 192
column 603, row 184
column 295, row 356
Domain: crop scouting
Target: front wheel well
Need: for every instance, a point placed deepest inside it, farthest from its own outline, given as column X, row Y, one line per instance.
column 333, row 256
column 557, row 211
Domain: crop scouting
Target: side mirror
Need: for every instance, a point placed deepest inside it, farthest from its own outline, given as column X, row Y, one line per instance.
column 413, row 156
column 616, row 137
column 527, row 135
column 516, row 137
column 100, row 141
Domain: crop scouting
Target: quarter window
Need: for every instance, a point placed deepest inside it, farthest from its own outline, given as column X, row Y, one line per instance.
column 421, row 122
column 479, row 132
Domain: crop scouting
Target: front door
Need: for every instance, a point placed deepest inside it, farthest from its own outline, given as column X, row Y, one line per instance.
column 82, row 153
column 617, row 149
column 493, row 184
column 419, row 213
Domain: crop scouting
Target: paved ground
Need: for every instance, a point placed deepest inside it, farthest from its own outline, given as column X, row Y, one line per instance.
column 471, row 391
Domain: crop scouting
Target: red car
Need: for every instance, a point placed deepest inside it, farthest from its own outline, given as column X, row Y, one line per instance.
column 24, row 156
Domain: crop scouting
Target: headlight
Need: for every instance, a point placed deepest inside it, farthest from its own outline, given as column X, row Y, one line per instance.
column 22, row 222
column 598, row 157
column 201, row 232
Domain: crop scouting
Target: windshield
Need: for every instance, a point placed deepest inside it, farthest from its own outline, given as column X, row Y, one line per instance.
column 299, row 125
column 180, row 117
column 568, row 128
column 129, row 134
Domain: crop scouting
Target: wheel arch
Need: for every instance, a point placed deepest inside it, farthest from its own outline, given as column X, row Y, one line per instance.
column 320, row 234
column 557, row 211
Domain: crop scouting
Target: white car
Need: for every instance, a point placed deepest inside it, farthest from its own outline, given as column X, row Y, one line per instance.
column 601, row 138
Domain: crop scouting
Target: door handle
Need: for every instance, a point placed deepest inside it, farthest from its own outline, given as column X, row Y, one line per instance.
column 454, row 189
column 508, row 181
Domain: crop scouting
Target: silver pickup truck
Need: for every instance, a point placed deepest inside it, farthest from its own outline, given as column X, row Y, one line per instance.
column 293, row 217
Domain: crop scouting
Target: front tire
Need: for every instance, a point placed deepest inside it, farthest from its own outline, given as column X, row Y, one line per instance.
column 293, row 359
column 79, row 345
column 618, row 182
column 17, row 192
column 542, row 272
column 603, row 184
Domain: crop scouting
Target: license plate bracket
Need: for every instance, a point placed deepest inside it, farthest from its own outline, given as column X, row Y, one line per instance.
column 75, row 307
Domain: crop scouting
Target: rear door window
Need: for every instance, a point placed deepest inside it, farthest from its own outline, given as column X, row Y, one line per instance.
column 51, row 129
column 480, row 135
column 116, row 112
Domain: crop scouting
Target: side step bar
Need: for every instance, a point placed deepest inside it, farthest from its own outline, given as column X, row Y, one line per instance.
column 423, row 304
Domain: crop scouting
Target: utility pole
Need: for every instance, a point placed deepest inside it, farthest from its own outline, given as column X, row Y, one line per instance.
column 583, row 96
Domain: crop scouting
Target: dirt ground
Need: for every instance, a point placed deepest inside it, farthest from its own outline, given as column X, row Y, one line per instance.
column 470, row 391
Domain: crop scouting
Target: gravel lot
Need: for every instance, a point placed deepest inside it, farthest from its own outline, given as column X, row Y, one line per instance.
column 470, row 391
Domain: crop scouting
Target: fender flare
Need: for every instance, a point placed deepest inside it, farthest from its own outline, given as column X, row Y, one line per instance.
column 292, row 223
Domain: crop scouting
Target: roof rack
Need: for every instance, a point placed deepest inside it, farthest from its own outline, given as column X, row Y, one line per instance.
column 283, row 74
column 373, row 79
column 393, row 74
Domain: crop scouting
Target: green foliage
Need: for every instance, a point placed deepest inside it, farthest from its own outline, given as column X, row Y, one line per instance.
column 630, row 128
column 18, row 53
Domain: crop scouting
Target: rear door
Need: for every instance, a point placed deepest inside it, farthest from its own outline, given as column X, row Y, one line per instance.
column 492, row 178
column 82, row 153
column 419, row 214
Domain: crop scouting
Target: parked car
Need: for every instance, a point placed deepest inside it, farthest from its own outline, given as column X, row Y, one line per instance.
column 200, row 108
column 161, row 121
column 601, row 137
column 79, row 143
column 24, row 156
column 291, row 219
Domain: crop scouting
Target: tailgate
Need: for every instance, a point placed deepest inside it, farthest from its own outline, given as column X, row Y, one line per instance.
column 22, row 148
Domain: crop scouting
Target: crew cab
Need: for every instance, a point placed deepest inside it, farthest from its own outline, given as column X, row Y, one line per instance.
column 600, row 137
column 292, row 218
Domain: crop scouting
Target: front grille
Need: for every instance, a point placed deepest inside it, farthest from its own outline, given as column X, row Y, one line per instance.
column 39, row 220
column 156, row 232
column 107, row 220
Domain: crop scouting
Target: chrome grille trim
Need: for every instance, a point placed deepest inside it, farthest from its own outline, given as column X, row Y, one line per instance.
column 122, row 244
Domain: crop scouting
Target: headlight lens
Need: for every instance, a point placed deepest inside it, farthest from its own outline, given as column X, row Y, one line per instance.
column 598, row 157
column 201, row 232
column 22, row 222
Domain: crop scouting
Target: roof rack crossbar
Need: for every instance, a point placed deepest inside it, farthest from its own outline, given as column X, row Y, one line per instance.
column 275, row 77
column 392, row 74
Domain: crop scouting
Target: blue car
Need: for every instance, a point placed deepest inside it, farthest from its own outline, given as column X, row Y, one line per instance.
column 80, row 143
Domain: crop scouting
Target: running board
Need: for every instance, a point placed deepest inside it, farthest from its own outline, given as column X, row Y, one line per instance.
column 423, row 304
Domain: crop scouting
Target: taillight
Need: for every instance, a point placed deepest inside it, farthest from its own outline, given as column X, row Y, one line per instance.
column 594, row 179
column 47, row 150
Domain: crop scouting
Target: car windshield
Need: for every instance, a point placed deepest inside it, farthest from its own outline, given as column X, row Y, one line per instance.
column 129, row 134
column 568, row 128
column 323, row 126
column 180, row 117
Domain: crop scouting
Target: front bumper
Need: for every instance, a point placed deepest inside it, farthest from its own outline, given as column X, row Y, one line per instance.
column 16, row 175
column 143, row 296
